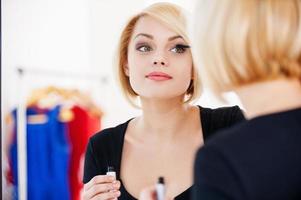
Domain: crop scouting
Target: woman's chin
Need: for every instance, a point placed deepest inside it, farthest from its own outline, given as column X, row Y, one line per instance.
column 161, row 97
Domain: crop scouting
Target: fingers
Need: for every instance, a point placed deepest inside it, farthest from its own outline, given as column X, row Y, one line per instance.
column 102, row 187
column 148, row 193
column 116, row 185
column 106, row 196
column 97, row 180
column 98, row 189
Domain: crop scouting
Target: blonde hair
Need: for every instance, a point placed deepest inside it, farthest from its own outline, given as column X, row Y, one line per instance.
column 173, row 17
column 245, row 41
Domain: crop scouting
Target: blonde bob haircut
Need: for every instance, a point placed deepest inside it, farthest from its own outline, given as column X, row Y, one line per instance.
column 173, row 17
column 239, row 42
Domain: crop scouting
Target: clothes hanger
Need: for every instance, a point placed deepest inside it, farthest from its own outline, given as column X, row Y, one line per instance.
column 48, row 98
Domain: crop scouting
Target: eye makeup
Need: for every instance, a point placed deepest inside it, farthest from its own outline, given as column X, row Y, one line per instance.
column 179, row 48
column 182, row 46
column 146, row 47
column 143, row 47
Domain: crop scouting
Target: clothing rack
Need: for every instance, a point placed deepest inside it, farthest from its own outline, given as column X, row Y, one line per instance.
column 21, row 116
column 63, row 74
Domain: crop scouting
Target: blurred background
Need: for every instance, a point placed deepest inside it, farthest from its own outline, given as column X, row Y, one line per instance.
column 57, row 71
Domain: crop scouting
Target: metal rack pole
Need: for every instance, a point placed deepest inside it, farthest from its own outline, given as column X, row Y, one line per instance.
column 21, row 140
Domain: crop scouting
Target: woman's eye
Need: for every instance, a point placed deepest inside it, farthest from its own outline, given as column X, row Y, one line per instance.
column 179, row 48
column 144, row 48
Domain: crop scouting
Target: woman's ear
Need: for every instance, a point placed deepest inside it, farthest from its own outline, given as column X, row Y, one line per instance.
column 126, row 69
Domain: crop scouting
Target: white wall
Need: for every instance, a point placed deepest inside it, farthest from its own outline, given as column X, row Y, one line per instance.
column 74, row 36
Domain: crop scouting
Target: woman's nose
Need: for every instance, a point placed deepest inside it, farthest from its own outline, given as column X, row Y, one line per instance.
column 159, row 63
column 160, row 60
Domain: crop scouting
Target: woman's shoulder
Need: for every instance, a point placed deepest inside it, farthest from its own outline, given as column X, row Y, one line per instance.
column 229, row 113
column 110, row 135
column 222, row 110
column 215, row 119
column 104, row 148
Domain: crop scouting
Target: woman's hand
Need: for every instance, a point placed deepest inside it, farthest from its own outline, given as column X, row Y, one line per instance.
column 101, row 187
column 150, row 194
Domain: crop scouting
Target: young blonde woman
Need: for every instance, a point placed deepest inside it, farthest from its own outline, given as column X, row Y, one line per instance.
column 252, row 48
column 155, row 65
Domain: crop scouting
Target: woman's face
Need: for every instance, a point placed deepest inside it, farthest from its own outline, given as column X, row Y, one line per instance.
column 159, row 61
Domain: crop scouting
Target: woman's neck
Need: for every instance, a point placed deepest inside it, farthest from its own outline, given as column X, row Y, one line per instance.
column 270, row 97
column 164, row 118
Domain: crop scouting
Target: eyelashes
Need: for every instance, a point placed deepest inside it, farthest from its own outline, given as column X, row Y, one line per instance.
column 143, row 47
column 182, row 46
column 178, row 48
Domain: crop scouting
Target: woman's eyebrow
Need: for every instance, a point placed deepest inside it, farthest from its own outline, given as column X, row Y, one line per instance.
column 145, row 35
column 152, row 37
column 175, row 37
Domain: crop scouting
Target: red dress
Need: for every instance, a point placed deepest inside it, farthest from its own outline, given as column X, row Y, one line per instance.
column 81, row 127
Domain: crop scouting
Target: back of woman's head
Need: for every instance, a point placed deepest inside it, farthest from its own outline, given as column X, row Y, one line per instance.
column 240, row 42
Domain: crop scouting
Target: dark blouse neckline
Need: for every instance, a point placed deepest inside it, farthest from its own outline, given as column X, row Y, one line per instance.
column 121, row 142
column 129, row 196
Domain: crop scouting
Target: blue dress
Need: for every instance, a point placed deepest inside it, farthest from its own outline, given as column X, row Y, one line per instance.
column 47, row 157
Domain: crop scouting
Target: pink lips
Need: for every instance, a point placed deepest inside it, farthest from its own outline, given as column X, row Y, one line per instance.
column 158, row 76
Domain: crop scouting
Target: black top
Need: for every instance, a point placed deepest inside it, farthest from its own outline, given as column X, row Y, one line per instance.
column 105, row 148
column 258, row 159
